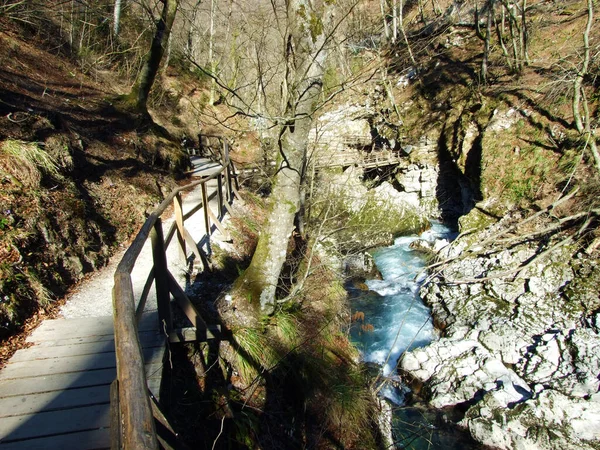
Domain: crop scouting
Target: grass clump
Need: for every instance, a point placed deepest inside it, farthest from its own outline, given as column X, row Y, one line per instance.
column 25, row 163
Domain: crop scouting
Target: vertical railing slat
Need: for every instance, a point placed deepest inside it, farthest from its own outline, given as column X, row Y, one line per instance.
column 161, row 279
column 178, row 206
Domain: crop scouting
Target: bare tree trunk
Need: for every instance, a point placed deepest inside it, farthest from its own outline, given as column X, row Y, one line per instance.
column 192, row 32
column 386, row 28
column 421, row 12
column 145, row 80
column 518, row 34
column 117, row 17
column 168, row 55
column 524, row 43
column 211, row 55
column 401, row 24
column 512, row 25
column 486, row 40
column 578, row 92
column 305, row 58
column 394, row 21
column 500, row 32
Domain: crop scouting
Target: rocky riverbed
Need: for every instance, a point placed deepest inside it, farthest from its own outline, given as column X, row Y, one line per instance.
column 520, row 345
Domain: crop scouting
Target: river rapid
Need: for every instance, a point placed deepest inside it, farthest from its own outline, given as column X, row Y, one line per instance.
column 389, row 319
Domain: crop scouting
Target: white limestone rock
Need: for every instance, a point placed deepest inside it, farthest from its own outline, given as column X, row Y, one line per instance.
column 550, row 420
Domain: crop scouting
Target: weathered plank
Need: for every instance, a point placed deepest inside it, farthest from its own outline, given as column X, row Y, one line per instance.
column 94, row 326
column 161, row 283
column 115, row 417
column 148, row 340
column 145, row 336
column 71, row 380
column 35, row 368
column 57, row 382
column 54, row 423
column 84, row 440
column 54, row 342
column 52, row 401
column 136, row 414
column 178, row 207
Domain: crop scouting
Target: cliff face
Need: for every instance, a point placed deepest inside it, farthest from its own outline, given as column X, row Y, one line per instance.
column 520, row 340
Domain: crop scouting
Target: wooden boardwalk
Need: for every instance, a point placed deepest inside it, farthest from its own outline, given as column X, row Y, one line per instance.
column 56, row 393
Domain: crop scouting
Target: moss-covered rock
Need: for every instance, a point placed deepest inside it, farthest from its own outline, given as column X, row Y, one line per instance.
column 359, row 217
column 475, row 220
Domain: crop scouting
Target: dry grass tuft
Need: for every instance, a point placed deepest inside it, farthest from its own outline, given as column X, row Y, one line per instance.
column 25, row 163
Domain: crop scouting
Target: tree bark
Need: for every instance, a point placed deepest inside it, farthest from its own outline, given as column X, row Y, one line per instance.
column 585, row 128
column 145, row 80
column 394, row 21
column 403, row 31
column 386, row 27
column 117, row 17
column 305, row 57
column 211, row 51
column 486, row 43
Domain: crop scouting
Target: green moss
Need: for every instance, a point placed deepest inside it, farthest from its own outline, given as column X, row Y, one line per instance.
column 316, row 26
column 475, row 220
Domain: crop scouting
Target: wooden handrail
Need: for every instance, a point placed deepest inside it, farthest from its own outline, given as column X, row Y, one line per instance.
column 131, row 406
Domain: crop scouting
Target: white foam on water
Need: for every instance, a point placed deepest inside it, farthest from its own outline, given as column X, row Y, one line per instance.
column 399, row 318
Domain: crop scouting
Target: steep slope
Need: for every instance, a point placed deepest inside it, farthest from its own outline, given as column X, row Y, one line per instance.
column 76, row 174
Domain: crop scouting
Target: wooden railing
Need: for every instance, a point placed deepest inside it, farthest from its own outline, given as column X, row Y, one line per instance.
column 132, row 423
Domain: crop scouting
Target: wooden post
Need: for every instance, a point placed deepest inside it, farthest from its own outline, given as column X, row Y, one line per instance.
column 178, row 206
column 161, row 278
column 236, row 185
column 138, row 430
column 220, row 196
column 227, row 174
column 205, row 207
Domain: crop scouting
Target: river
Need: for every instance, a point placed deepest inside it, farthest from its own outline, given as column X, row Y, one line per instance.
column 390, row 318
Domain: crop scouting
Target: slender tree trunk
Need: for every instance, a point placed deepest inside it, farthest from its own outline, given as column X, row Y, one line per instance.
column 117, row 17
column 386, row 28
column 211, row 50
column 486, row 43
column 401, row 25
column 500, row 30
column 143, row 85
column 305, row 59
column 167, row 57
column 585, row 128
column 394, row 21
column 512, row 25
column 524, row 37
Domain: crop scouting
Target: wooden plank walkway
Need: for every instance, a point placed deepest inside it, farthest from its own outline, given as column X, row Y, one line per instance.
column 56, row 393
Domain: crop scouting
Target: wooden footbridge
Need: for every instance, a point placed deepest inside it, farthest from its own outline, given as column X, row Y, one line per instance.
column 94, row 383
column 366, row 160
